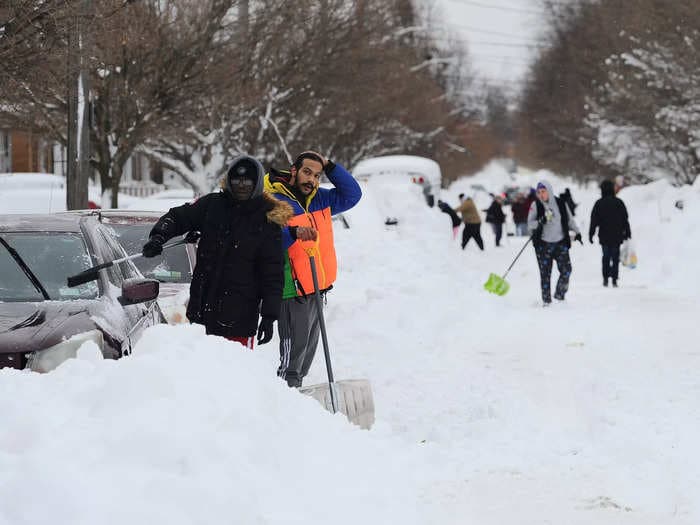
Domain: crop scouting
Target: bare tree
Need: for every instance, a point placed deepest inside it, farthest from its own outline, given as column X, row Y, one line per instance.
column 149, row 71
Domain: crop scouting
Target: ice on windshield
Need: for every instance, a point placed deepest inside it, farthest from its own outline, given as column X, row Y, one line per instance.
column 52, row 257
column 172, row 266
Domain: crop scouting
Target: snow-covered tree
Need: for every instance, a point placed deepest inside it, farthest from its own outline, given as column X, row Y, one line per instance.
column 646, row 117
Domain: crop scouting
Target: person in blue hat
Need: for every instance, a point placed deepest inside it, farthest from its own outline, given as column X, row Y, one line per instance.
column 550, row 222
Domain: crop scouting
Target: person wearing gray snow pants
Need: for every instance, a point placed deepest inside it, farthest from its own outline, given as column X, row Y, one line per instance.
column 299, row 328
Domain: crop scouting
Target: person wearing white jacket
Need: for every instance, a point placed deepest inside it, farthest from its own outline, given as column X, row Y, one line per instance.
column 549, row 221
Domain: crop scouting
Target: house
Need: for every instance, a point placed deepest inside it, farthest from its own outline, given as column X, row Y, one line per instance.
column 28, row 152
column 24, row 151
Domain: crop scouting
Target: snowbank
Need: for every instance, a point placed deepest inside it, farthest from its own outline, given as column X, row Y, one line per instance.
column 191, row 429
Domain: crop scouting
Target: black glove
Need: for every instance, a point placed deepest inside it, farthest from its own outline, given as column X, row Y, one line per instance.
column 192, row 237
column 265, row 330
column 537, row 234
column 154, row 246
column 590, row 238
column 578, row 238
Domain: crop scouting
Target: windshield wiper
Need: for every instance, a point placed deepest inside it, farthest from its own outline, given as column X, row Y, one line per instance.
column 27, row 271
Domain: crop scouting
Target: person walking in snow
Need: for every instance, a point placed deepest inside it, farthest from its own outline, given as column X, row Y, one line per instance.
column 549, row 221
column 569, row 201
column 609, row 217
column 472, row 223
column 520, row 209
column 308, row 232
column 456, row 221
column 427, row 189
column 496, row 217
column 239, row 272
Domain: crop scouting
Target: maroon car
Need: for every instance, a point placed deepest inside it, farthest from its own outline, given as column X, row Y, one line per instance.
column 43, row 321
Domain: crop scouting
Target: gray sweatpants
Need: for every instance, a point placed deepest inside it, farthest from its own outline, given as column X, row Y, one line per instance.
column 299, row 328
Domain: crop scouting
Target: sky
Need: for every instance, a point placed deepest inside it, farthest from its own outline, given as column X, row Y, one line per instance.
column 489, row 410
column 500, row 34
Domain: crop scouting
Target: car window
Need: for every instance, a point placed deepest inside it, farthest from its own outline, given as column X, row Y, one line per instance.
column 172, row 266
column 125, row 269
column 52, row 257
column 128, row 269
column 114, row 273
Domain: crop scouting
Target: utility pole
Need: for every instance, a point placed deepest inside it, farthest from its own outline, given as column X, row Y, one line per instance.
column 78, row 162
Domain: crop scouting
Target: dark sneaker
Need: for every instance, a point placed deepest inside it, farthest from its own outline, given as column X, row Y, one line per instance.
column 605, row 283
column 614, row 283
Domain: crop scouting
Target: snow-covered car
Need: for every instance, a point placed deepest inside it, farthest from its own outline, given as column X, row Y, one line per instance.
column 422, row 171
column 38, row 193
column 43, row 321
column 173, row 268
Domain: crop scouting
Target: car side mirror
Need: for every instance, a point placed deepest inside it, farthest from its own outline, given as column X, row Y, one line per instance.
column 137, row 290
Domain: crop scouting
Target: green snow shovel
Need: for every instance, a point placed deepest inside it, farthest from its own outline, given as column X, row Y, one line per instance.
column 497, row 284
column 351, row 397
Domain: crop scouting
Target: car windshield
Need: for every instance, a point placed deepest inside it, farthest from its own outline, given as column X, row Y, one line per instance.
column 172, row 266
column 52, row 257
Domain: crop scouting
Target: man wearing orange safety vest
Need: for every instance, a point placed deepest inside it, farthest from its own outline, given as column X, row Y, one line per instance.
column 308, row 232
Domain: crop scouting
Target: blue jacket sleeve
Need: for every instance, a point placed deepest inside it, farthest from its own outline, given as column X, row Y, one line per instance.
column 346, row 193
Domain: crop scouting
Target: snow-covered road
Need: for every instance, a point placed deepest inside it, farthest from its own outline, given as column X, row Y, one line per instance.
column 490, row 410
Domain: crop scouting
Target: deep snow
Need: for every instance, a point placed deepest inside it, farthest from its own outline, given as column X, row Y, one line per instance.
column 490, row 410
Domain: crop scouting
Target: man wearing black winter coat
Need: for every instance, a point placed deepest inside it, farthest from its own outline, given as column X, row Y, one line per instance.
column 239, row 272
column 609, row 215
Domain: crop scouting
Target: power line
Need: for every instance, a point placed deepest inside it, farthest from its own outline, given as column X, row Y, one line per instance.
column 500, row 8
column 481, row 42
column 486, row 32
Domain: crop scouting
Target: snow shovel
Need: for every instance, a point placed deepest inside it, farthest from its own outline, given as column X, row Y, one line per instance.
column 92, row 274
column 351, row 397
column 497, row 284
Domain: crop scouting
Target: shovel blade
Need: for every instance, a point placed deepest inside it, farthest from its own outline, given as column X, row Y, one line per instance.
column 353, row 397
column 496, row 284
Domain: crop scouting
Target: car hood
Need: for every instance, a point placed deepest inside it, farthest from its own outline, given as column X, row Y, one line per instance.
column 26, row 327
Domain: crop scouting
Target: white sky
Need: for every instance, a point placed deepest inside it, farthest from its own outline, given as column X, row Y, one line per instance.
column 499, row 34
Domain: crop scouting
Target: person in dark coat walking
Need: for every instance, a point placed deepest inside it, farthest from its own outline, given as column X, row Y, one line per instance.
column 496, row 217
column 520, row 209
column 456, row 220
column 609, row 217
column 569, row 201
column 240, row 259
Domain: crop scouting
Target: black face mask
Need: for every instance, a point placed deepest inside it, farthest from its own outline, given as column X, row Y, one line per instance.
column 241, row 188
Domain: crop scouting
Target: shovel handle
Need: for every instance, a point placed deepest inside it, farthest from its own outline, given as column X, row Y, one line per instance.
column 324, row 336
column 518, row 256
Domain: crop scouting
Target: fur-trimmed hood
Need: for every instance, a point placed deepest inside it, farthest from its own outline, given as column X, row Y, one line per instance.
column 279, row 212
